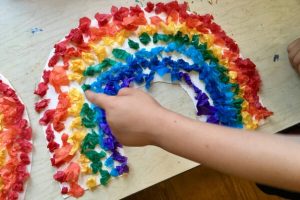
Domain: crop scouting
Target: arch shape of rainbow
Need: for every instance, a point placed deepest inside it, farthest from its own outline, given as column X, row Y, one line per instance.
column 133, row 46
column 15, row 143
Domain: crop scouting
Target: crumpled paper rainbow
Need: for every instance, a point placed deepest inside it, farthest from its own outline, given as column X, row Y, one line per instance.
column 15, row 143
column 132, row 46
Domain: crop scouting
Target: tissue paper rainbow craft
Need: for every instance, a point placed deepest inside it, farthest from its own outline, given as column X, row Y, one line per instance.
column 15, row 143
column 133, row 46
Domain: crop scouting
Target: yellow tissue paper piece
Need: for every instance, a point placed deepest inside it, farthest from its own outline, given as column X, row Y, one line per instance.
column 85, row 168
column 217, row 51
column 245, row 105
column 248, row 121
column 168, row 28
column 77, row 65
column 88, row 58
column 209, row 39
column 121, row 37
column 188, row 31
column 75, row 139
column 148, row 29
column 74, row 110
column 83, row 159
column 76, row 124
column 232, row 74
column 2, row 157
column 100, row 52
column 78, row 77
column 108, row 41
column 85, row 162
column 77, row 100
column 91, row 183
column 224, row 61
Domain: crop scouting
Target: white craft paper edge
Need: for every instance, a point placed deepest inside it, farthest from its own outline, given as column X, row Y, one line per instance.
column 25, row 116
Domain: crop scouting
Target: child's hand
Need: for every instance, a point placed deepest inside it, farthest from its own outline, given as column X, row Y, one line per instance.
column 294, row 54
column 132, row 115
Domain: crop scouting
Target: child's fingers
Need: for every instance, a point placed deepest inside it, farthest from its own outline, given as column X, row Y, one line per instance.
column 124, row 91
column 293, row 44
column 296, row 60
column 101, row 100
column 293, row 53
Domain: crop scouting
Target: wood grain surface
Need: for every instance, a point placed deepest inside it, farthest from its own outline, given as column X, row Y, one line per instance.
column 202, row 183
column 261, row 28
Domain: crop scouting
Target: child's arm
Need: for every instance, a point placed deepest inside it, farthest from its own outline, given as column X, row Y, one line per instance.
column 136, row 119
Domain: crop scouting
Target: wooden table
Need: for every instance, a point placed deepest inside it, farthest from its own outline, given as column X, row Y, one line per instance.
column 261, row 28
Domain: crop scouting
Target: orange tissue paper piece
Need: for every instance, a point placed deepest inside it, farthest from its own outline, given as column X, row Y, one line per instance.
column 58, row 78
column 75, row 190
column 61, row 112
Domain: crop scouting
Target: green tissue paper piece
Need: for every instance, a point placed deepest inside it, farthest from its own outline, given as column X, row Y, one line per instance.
column 155, row 38
column 94, row 156
column 132, row 44
column 85, row 87
column 88, row 116
column 195, row 40
column 88, row 123
column 87, row 111
column 222, row 69
column 120, row 54
column 161, row 37
column 178, row 36
column 96, row 167
column 235, row 88
column 144, row 38
column 186, row 39
column 239, row 118
column 92, row 70
column 202, row 47
column 208, row 55
column 224, row 78
column 105, row 176
column 90, row 141
column 238, row 103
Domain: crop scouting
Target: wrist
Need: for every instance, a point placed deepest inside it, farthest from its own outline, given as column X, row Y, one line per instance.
column 164, row 127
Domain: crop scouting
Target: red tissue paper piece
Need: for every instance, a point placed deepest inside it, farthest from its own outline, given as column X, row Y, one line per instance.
column 119, row 13
column 53, row 60
column 102, row 19
column 49, row 133
column 46, row 75
column 59, row 176
column 75, row 36
column 150, row 6
column 84, row 25
column 41, row 105
column 47, row 117
column 41, row 89
column 64, row 190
